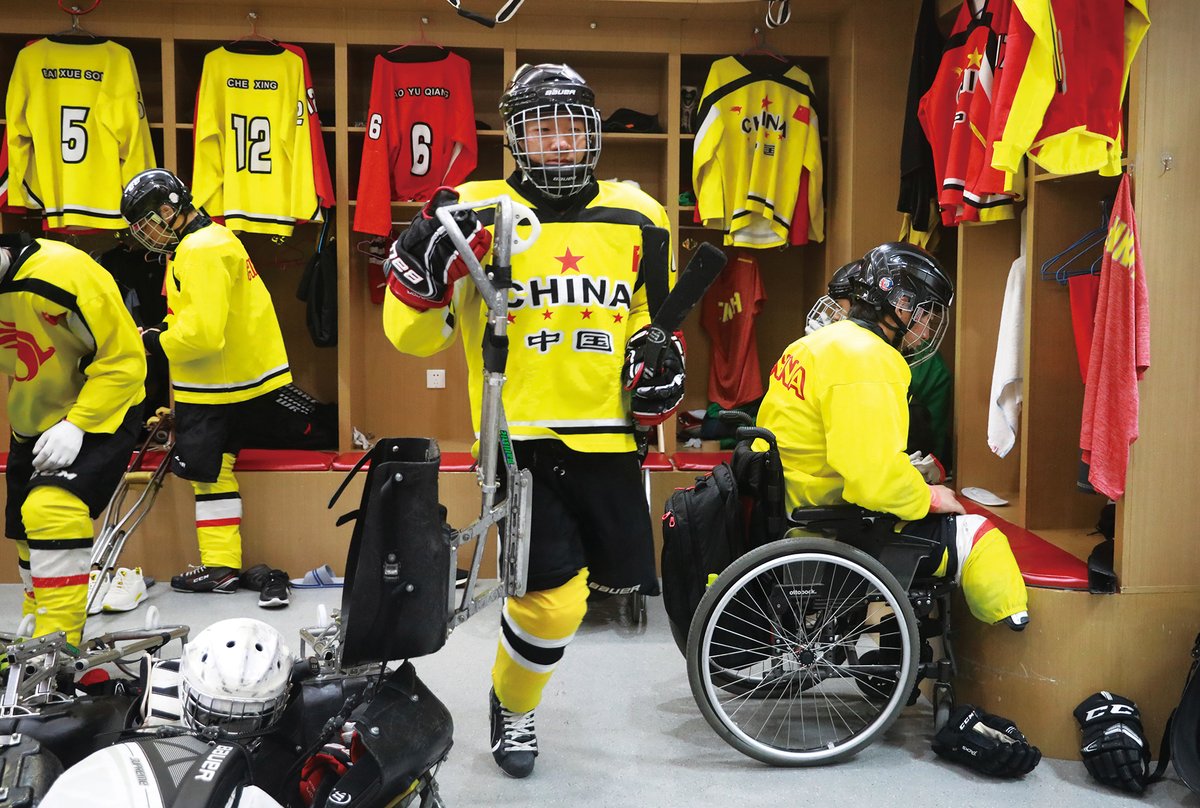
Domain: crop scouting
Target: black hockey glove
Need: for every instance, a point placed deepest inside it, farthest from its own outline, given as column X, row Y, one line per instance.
column 1114, row 747
column 423, row 264
column 657, row 392
column 151, row 337
column 989, row 744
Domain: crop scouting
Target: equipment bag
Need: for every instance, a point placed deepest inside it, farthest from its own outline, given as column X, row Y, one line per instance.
column 396, row 599
column 318, row 289
column 702, row 535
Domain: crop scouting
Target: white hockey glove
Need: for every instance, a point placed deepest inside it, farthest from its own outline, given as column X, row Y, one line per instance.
column 57, row 447
column 930, row 467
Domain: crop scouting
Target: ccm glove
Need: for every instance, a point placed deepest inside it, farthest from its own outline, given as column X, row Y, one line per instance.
column 57, row 447
column 423, row 263
column 929, row 466
column 989, row 744
column 657, row 391
column 1114, row 747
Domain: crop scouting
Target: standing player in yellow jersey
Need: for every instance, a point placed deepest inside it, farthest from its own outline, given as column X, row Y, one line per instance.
column 76, row 381
column 225, row 352
column 837, row 404
column 577, row 313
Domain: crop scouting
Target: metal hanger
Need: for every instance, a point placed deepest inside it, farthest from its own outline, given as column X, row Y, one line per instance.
column 76, row 29
column 1066, row 263
column 423, row 41
column 759, row 46
column 254, row 35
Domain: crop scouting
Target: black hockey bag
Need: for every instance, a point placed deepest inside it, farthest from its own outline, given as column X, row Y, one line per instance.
column 396, row 599
column 702, row 534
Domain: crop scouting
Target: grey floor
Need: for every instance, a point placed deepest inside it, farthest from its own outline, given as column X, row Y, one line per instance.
column 618, row 726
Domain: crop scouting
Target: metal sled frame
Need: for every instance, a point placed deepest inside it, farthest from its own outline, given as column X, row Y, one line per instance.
column 119, row 522
column 511, row 514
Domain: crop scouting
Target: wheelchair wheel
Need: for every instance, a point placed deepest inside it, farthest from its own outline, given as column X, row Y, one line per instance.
column 783, row 652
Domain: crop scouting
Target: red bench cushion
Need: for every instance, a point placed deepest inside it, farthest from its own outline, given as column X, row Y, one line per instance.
column 699, row 461
column 1042, row 564
column 451, row 461
column 3, row 462
column 657, row 461
column 283, row 460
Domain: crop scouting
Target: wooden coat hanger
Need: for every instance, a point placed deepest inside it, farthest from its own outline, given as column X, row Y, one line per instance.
column 422, row 41
column 759, row 46
column 76, row 29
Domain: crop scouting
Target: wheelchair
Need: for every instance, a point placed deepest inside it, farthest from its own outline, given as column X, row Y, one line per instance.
column 807, row 648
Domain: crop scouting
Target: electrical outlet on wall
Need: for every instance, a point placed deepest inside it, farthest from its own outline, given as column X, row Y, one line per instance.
column 435, row 379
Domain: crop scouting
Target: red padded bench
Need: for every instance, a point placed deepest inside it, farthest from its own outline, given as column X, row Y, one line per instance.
column 699, row 461
column 3, row 462
column 1042, row 564
column 262, row 460
column 657, row 461
column 451, row 461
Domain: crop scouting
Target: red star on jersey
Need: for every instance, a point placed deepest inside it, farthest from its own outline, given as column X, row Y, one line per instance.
column 547, row 314
column 618, row 317
column 512, row 318
column 569, row 261
column 735, row 109
column 766, row 102
column 587, row 314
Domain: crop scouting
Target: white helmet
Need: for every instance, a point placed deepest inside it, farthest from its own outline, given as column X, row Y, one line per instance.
column 235, row 675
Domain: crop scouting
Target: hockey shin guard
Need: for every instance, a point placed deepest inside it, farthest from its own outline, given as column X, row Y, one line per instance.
column 59, row 532
column 988, row 573
column 29, row 601
column 534, row 632
column 219, row 518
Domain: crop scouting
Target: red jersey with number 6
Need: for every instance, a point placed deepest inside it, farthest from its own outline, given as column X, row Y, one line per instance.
column 420, row 135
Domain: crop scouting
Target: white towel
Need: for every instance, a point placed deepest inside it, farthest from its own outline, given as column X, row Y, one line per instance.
column 1004, row 411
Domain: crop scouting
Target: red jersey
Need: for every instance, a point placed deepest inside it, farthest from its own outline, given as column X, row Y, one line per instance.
column 727, row 314
column 321, row 176
column 420, row 135
column 1066, row 71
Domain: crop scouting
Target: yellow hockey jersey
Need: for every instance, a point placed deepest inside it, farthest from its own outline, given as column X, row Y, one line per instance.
column 222, row 341
column 577, row 297
column 67, row 343
column 254, row 157
column 756, row 163
column 77, row 131
column 838, row 405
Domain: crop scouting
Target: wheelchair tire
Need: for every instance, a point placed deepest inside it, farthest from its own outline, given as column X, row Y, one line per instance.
column 774, row 652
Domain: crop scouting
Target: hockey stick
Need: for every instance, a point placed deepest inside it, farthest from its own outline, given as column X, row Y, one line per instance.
column 703, row 268
column 656, row 266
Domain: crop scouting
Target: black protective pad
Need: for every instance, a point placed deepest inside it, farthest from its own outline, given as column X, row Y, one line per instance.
column 26, row 773
column 1185, row 729
column 406, row 731
column 396, row 599
column 73, row 730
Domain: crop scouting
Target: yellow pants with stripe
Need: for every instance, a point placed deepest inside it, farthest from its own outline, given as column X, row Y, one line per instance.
column 534, row 632
column 219, row 518
column 54, row 560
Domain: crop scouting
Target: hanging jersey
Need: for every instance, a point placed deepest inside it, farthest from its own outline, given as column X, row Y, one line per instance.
column 254, row 152
column 577, row 298
column 1068, row 66
column 918, row 188
column 955, row 115
column 420, row 135
column 77, row 131
column 756, row 164
column 67, row 343
column 727, row 314
column 321, row 176
column 222, row 339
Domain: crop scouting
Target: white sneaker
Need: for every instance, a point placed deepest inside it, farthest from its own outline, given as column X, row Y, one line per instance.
column 94, row 581
column 128, row 589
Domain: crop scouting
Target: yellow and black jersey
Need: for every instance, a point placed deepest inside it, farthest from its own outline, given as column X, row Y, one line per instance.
column 756, row 165
column 67, row 343
column 254, row 154
column 222, row 340
column 577, row 297
column 77, row 131
column 838, row 405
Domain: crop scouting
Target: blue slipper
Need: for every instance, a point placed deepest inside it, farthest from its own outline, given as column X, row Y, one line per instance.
column 318, row 578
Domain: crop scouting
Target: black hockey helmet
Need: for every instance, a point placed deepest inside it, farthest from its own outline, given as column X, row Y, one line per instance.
column 827, row 309
column 898, row 277
column 552, row 100
column 141, row 206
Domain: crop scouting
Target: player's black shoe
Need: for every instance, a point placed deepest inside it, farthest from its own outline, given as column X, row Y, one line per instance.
column 273, row 594
column 223, row 580
column 514, row 740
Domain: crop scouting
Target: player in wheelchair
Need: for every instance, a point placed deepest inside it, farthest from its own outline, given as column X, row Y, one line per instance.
column 804, row 650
